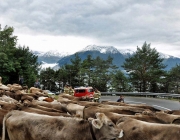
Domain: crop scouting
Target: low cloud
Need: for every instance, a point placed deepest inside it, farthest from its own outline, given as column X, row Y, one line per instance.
column 117, row 22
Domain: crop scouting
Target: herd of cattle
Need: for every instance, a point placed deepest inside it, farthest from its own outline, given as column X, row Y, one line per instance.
column 31, row 114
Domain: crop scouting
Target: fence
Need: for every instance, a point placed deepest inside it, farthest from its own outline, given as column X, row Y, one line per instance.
column 143, row 94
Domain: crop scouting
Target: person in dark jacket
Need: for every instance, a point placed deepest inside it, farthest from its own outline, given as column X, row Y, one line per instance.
column 21, row 80
column 37, row 84
column 121, row 99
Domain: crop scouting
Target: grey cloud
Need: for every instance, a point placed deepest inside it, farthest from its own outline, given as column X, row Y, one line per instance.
column 115, row 22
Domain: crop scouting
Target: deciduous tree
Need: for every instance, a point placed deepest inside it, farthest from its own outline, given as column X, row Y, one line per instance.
column 16, row 61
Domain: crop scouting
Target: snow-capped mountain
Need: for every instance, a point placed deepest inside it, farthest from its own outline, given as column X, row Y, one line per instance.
column 126, row 51
column 53, row 53
column 113, row 50
column 101, row 49
column 96, row 51
column 52, row 58
column 118, row 55
column 38, row 53
column 165, row 56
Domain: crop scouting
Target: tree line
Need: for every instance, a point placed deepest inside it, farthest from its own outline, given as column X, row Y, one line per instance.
column 16, row 61
column 144, row 71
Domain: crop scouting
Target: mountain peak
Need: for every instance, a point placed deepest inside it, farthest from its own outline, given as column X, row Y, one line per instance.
column 55, row 53
column 165, row 56
column 126, row 51
column 101, row 49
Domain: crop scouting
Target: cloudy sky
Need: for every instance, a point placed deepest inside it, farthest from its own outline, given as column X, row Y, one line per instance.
column 69, row 25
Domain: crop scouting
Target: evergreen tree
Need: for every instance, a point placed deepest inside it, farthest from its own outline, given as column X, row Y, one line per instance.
column 145, row 68
column 164, row 85
column 60, row 78
column 47, row 77
column 101, row 72
column 86, row 71
column 175, row 79
column 119, row 82
column 73, row 70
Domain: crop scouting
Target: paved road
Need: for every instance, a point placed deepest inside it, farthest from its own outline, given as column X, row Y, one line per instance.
column 155, row 102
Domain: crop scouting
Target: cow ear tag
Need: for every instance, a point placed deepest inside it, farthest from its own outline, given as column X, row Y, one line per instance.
column 97, row 123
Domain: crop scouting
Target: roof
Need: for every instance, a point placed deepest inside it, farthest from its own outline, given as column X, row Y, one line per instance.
column 82, row 87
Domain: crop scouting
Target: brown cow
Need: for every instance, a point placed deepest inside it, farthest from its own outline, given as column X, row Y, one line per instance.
column 140, row 130
column 115, row 117
column 4, row 87
column 90, row 111
column 168, row 118
column 19, row 95
column 174, row 112
column 26, row 97
column 128, row 110
column 75, row 109
column 9, row 106
column 64, row 100
column 27, row 103
column 40, row 111
column 176, row 121
column 53, row 105
column 35, row 90
column 3, row 112
column 88, row 104
column 132, row 105
column 8, row 99
column 15, row 87
column 73, row 98
column 21, row 125
column 48, row 99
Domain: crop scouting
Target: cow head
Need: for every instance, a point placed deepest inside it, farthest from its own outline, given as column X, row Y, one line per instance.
column 26, row 103
column 176, row 121
column 104, row 125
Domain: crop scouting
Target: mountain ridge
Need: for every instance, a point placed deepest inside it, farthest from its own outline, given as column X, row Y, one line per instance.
column 118, row 55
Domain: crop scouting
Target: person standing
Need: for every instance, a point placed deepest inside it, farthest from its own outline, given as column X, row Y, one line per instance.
column 121, row 99
column 66, row 89
column 97, row 95
column 37, row 84
column 21, row 80
column 71, row 91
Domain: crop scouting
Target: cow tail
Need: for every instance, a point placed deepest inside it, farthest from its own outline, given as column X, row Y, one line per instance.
column 4, row 124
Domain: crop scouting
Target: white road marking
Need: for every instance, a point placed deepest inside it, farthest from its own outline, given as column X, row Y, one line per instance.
column 162, row 107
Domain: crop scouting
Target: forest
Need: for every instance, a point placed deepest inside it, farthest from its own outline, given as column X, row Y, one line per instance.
column 143, row 72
